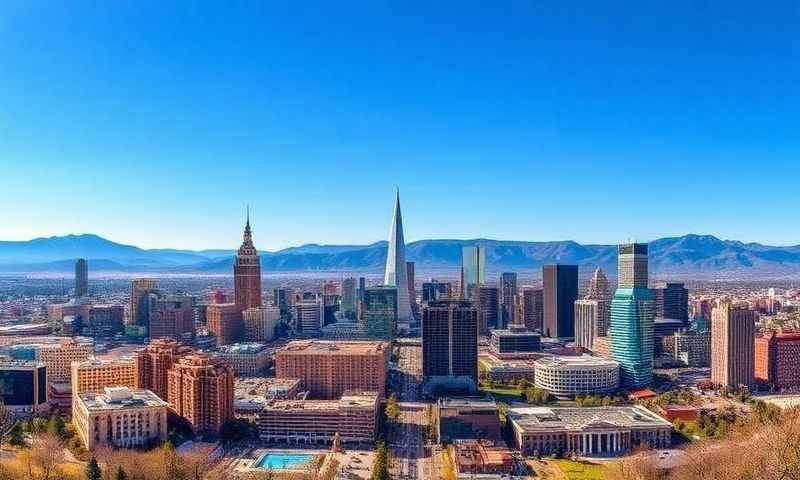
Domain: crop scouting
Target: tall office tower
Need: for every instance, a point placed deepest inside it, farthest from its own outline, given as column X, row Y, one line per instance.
column 172, row 316
column 531, row 307
column 631, row 319
column 200, row 389
column 379, row 312
column 599, row 288
column 329, row 368
column 771, row 301
column 560, row 292
column 154, row 361
column 247, row 272
column 450, row 345
column 435, row 290
column 260, row 323
column 412, row 289
column 349, row 296
column 488, row 303
column 732, row 346
column 672, row 301
column 473, row 270
column 308, row 315
column 396, row 270
column 591, row 321
column 81, row 277
column 508, row 298
column 225, row 323
column 138, row 307
column 362, row 285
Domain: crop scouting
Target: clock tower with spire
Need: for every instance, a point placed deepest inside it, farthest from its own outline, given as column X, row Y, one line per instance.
column 247, row 272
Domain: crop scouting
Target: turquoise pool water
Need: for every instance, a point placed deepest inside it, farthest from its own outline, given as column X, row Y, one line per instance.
column 283, row 461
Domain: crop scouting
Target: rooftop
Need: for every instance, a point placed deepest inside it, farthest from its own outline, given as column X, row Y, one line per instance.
column 117, row 398
column 570, row 362
column 348, row 400
column 334, row 347
column 240, row 348
column 578, row 418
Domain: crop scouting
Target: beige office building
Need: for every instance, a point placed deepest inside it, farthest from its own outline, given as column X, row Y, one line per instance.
column 58, row 358
column 92, row 376
column 120, row 418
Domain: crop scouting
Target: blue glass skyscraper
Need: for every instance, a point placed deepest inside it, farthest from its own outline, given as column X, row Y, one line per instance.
column 631, row 318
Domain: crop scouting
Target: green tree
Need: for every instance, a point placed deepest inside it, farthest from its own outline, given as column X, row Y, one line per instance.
column 15, row 437
column 121, row 474
column 380, row 469
column 55, row 426
column 392, row 408
column 93, row 471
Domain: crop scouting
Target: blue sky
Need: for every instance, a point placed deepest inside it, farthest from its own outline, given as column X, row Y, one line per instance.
column 155, row 125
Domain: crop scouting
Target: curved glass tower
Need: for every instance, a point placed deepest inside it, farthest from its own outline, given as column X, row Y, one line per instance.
column 631, row 318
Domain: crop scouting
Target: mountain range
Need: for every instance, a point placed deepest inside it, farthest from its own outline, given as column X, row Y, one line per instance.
column 690, row 256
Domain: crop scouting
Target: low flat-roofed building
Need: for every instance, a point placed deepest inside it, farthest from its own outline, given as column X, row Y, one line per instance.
column 120, row 417
column 481, row 457
column 246, row 359
column 467, row 418
column 253, row 393
column 569, row 376
column 515, row 340
column 490, row 367
column 685, row 413
column 590, row 431
column 315, row 422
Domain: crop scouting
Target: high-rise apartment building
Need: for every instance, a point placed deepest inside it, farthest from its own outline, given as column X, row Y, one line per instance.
column 508, row 298
column 329, row 368
column 672, row 301
column 732, row 345
column 224, row 321
column 200, row 389
column 450, row 345
column 172, row 316
column 138, row 308
column 94, row 375
column 473, row 270
column 154, row 361
column 631, row 318
column 531, row 307
column 247, row 272
column 81, row 277
column 560, row 292
column 488, row 303
column 379, row 312
column 777, row 359
column 396, row 273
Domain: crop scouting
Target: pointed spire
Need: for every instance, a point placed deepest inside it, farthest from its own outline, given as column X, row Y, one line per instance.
column 248, row 235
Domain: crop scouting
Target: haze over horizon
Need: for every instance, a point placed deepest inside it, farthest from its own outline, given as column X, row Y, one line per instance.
column 154, row 125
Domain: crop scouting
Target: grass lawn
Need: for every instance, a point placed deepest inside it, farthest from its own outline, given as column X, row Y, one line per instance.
column 504, row 392
column 580, row 470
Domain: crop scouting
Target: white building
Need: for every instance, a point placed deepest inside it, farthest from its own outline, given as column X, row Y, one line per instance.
column 569, row 376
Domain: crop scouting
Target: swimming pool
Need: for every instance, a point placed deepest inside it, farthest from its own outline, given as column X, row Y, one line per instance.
column 283, row 461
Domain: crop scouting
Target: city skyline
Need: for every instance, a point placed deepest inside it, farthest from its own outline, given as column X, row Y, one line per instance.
column 189, row 113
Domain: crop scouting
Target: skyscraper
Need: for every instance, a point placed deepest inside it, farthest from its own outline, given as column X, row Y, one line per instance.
column 631, row 318
column 247, row 272
column 732, row 346
column 672, row 301
column 349, row 297
column 508, row 298
column 599, row 288
column 473, row 270
column 592, row 312
column 172, row 316
column 488, row 303
column 200, row 389
column 81, row 277
column 379, row 312
column 560, row 292
column 412, row 289
column 531, row 307
column 138, row 307
column 450, row 344
column 396, row 273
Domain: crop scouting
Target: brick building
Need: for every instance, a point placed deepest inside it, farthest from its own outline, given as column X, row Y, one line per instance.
column 225, row 322
column 200, row 389
column 777, row 359
column 154, row 361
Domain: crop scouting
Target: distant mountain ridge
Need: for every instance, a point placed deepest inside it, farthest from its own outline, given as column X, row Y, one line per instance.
column 690, row 256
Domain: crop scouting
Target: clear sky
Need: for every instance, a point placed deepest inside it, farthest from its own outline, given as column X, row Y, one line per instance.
column 155, row 125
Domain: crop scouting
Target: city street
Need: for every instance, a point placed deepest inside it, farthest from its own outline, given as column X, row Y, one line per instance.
column 407, row 437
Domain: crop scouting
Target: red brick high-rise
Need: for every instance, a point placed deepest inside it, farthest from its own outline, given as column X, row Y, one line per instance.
column 247, row 273
column 200, row 389
column 777, row 359
column 154, row 361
